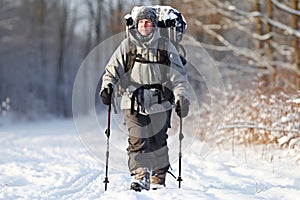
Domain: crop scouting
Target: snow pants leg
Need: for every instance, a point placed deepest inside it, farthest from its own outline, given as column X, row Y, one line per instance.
column 147, row 142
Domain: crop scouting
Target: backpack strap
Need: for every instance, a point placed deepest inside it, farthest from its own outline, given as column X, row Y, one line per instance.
column 131, row 56
column 163, row 57
column 162, row 54
column 162, row 51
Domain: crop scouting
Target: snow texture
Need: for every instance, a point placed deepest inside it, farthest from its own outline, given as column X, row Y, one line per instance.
column 46, row 160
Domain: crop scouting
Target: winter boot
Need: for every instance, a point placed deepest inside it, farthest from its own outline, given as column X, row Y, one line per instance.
column 158, row 181
column 141, row 180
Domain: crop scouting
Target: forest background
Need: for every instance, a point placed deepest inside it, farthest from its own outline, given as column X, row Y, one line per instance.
column 254, row 44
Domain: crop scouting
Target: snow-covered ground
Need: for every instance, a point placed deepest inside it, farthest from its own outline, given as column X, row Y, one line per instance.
column 47, row 160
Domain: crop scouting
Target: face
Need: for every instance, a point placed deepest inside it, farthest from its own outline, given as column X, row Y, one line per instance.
column 145, row 26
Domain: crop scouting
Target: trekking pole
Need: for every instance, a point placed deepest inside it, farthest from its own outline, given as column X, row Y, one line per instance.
column 179, row 179
column 107, row 133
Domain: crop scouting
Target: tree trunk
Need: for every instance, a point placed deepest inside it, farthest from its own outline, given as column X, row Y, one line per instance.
column 269, row 46
column 40, row 24
column 258, row 23
column 98, row 21
column 60, row 100
column 295, row 40
column 269, row 30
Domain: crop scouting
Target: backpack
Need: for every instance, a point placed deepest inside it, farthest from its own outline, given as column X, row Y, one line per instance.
column 172, row 26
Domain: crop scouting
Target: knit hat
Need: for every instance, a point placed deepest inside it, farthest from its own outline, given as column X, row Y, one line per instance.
column 147, row 13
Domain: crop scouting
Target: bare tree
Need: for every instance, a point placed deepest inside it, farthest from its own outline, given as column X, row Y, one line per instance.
column 269, row 47
column 66, row 26
column 96, row 22
column 258, row 23
column 295, row 40
column 269, row 29
column 115, row 22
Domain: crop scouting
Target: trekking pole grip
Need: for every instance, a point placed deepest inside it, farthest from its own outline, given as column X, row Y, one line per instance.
column 109, row 88
column 109, row 91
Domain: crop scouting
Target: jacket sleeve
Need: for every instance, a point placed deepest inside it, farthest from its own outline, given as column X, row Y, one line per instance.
column 115, row 67
column 177, row 74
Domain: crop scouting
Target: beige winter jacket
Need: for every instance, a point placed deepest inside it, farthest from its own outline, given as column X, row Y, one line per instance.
column 146, row 74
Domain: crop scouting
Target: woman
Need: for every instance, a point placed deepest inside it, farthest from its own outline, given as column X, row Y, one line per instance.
column 145, row 100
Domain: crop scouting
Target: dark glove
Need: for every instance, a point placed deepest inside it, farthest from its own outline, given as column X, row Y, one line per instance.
column 106, row 95
column 182, row 107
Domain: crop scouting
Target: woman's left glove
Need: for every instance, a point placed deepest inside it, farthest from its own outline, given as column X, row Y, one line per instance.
column 182, row 107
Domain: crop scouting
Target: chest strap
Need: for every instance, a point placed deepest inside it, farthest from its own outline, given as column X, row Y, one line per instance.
column 139, row 92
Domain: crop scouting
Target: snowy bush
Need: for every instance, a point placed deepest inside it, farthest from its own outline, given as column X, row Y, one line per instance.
column 253, row 117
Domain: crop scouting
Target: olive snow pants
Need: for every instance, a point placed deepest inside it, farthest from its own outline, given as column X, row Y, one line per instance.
column 147, row 141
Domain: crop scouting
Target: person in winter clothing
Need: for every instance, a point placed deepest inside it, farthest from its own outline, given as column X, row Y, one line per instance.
column 146, row 107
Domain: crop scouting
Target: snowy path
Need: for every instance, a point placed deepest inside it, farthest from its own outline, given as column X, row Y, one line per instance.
column 48, row 161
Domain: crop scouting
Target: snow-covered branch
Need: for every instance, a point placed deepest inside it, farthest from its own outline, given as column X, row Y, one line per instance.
column 255, row 58
column 215, row 47
column 250, row 126
column 248, row 31
column 240, row 51
column 233, row 9
column 286, row 8
column 287, row 29
column 282, row 49
column 280, row 64
column 240, row 25
column 237, row 67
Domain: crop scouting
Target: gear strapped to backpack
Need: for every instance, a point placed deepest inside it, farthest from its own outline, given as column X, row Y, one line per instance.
column 171, row 23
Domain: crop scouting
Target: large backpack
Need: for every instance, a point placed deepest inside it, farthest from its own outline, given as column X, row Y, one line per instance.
column 168, row 18
column 172, row 26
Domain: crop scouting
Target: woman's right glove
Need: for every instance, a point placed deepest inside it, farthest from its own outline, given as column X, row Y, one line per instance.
column 106, row 95
column 182, row 107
